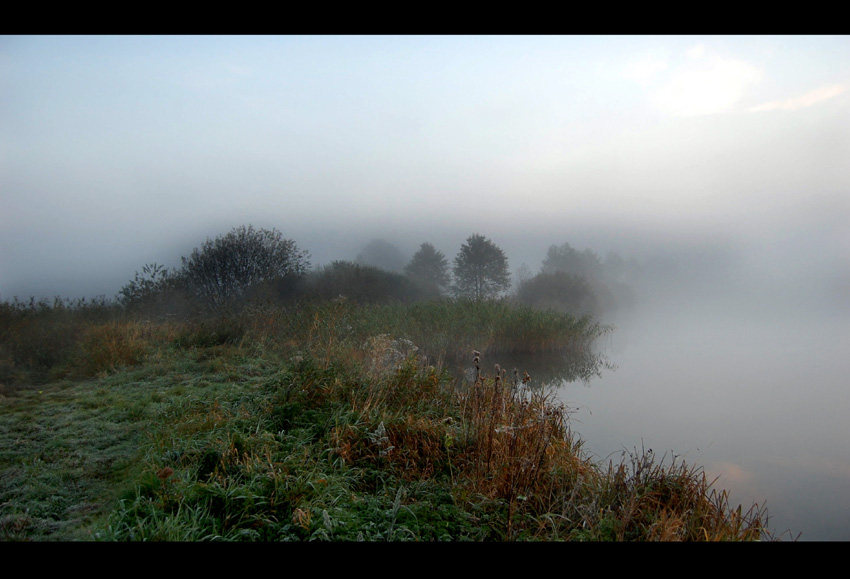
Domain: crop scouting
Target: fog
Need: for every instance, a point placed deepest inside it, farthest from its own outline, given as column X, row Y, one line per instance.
column 718, row 163
column 752, row 388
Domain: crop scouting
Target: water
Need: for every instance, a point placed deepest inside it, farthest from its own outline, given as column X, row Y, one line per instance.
column 756, row 394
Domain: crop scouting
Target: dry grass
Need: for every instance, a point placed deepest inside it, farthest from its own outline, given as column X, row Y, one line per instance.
column 106, row 347
column 517, row 447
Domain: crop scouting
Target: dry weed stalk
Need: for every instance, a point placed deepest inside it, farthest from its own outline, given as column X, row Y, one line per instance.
column 513, row 433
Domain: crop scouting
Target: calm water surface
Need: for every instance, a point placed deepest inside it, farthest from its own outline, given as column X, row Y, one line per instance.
column 757, row 395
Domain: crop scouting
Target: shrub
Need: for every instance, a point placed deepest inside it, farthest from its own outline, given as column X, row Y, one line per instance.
column 361, row 284
column 225, row 268
column 559, row 291
column 156, row 291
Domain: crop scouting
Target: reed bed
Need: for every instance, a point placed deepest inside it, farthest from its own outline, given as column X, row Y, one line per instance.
column 40, row 341
column 443, row 328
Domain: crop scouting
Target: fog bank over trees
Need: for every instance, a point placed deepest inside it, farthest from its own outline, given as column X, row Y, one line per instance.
column 720, row 158
column 804, row 271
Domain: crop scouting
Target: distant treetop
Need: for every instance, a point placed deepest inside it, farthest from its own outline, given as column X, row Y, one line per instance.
column 430, row 269
column 481, row 269
column 382, row 254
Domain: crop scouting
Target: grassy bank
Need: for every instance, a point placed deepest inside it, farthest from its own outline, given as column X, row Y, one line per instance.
column 327, row 421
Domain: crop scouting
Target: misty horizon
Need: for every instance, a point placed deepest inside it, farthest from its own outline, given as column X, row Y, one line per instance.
column 123, row 151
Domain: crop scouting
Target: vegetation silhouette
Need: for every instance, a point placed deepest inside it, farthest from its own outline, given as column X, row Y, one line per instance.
column 430, row 269
column 480, row 269
column 222, row 270
column 382, row 254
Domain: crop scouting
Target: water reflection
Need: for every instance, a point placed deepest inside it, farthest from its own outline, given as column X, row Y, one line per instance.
column 546, row 369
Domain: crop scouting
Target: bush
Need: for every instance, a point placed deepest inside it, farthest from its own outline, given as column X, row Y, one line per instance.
column 559, row 291
column 155, row 292
column 362, row 284
column 225, row 268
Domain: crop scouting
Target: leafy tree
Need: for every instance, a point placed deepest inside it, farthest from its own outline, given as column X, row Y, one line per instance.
column 380, row 253
column 566, row 259
column 225, row 268
column 606, row 280
column 481, row 269
column 430, row 269
column 559, row 291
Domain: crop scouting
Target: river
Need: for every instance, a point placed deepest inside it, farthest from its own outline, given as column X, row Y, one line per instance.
column 756, row 393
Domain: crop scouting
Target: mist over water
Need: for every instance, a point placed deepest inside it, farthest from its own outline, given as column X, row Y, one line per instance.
column 752, row 387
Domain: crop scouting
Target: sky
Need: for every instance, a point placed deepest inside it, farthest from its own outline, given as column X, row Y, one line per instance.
column 116, row 152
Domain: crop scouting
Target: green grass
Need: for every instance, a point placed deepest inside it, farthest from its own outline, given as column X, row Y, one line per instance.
column 63, row 449
column 330, row 421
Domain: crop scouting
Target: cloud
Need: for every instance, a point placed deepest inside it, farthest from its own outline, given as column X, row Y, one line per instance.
column 642, row 70
column 710, row 86
column 812, row 97
column 697, row 51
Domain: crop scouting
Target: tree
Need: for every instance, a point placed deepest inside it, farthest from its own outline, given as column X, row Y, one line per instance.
column 568, row 260
column 563, row 292
column 430, row 269
column 382, row 254
column 481, row 269
column 225, row 268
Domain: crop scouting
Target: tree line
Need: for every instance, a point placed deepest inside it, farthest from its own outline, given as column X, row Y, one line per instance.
column 249, row 265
